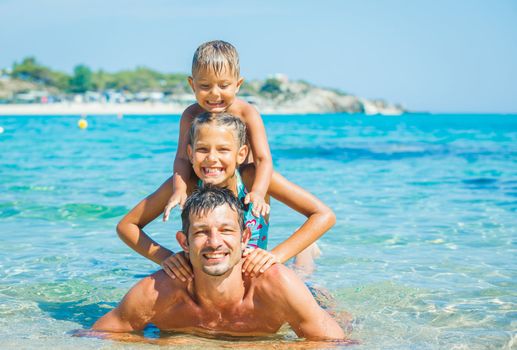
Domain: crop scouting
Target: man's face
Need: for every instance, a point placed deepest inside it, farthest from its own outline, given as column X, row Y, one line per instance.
column 215, row 242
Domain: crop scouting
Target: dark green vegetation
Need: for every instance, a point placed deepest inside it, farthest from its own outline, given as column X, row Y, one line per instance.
column 84, row 79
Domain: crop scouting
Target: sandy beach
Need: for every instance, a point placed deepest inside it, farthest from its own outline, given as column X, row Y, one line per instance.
column 57, row 109
column 159, row 108
column 144, row 108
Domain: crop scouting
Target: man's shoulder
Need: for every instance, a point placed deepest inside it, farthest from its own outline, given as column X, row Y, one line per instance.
column 277, row 281
column 279, row 272
column 140, row 305
column 156, row 289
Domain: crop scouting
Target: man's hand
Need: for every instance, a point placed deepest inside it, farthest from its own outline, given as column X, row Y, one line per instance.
column 260, row 207
column 178, row 197
column 177, row 266
column 257, row 261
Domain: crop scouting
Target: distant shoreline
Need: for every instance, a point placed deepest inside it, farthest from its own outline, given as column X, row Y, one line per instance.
column 147, row 108
column 62, row 109
column 144, row 108
column 275, row 95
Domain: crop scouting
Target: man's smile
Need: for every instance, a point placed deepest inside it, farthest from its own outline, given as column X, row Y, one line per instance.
column 215, row 257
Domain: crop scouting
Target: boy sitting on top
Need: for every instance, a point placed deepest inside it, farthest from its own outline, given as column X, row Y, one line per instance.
column 215, row 81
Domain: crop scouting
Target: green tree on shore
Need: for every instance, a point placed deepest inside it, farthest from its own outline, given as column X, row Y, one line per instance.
column 272, row 87
column 81, row 81
column 30, row 70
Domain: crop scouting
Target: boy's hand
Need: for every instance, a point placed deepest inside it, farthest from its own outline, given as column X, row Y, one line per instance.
column 257, row 261
column 260, row 207
column 178, row 197
column 177, row 266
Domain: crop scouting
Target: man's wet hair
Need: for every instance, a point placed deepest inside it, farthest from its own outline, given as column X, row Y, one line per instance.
column 206, row 199
column 216, row 56
column 219, row 119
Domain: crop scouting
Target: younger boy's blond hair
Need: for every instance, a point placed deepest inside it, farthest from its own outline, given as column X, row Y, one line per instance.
column 217, row 56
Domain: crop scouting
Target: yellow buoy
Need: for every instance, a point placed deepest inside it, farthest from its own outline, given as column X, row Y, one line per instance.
column 82, row 124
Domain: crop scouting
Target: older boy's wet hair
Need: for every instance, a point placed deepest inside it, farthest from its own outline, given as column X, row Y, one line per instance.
column 219, row 119
column 216, row 56
column 206, row 199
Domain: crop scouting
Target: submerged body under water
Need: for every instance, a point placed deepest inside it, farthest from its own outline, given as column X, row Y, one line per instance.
column 422, row 254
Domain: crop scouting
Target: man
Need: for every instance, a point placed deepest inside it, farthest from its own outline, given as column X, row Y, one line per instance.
column 220, row 299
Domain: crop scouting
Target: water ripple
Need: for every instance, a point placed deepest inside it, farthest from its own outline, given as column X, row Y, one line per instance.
column 66, row 212
column 422, row 254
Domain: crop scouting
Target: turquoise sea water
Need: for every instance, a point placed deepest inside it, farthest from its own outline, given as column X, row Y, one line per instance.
column 424, row 252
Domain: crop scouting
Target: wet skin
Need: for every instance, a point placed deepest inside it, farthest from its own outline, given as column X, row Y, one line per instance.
column 220, row 300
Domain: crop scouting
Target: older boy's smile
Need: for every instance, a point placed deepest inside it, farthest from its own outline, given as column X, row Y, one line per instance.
column 212, row 172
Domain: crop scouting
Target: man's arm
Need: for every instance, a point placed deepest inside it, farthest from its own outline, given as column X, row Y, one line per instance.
column 300, row 309
column 134, row 311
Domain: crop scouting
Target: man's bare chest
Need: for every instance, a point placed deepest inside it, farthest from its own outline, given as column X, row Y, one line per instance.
column 243, row 321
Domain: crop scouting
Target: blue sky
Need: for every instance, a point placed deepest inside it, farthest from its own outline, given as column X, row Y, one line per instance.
column 439, row 56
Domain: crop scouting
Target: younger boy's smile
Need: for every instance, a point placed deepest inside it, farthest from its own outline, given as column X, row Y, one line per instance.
column 216, row 104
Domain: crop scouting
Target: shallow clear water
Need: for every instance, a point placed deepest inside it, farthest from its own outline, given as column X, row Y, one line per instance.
column 423, row 254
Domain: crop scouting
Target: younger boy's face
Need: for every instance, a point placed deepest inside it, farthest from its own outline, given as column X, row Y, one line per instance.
column 215, row 92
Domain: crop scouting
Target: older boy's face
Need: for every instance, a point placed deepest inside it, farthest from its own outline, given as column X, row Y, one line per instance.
column 215, row 92
column 215, row 155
